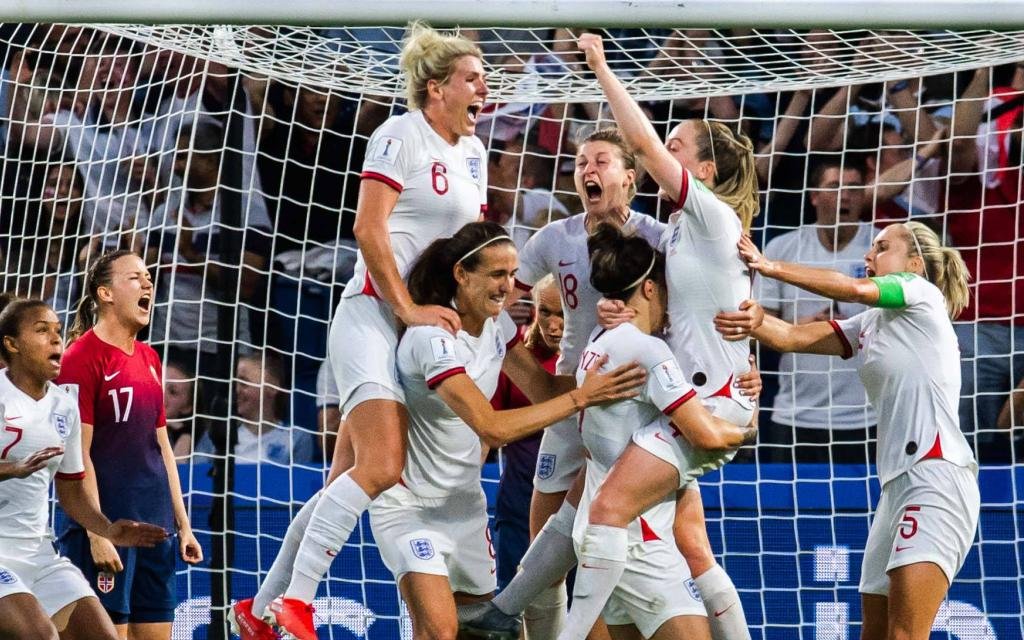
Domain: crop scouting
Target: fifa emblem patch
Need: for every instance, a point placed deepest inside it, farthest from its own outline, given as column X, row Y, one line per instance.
column 60, row 425
column 546, row 465
column 473, row 164
column 387, row 150
column 104, row 582
column 6, row 577
column 691, row 588
column 443, row 348
column 422, row 548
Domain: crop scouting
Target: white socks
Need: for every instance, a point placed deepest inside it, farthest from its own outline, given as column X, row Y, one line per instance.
column 548, row 559
column 602, row 561
column 725, row 610
column 544, row 618
column 281, row 571
column 335, row 516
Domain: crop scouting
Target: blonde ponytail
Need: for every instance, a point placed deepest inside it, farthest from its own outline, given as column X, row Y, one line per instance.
column 736, row 176
column 944, row 267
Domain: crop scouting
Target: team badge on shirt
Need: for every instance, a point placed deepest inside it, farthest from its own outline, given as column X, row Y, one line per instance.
column 691, row 588
column 499, row 346
column 422, row 548
column 443, row 348
column 104, row 582
column 546, row 465
column 387, row 149
column 60, row 425
column 668, row 374
column 473, row 165
column 6, row 577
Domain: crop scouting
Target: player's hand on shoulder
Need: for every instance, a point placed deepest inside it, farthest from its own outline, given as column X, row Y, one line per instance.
column 619, row 383
column 593, row 47
column 104, row 554
column 612, row 313
column 27, row 466
column 189, row 547
column 128, row 533
column 431, row 315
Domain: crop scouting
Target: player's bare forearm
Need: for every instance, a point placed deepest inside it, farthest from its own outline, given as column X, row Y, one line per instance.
column 814, row 337
column 376, row 201
column 74, row 498
column 533, row 380
column 826, row 282
column 173, row 482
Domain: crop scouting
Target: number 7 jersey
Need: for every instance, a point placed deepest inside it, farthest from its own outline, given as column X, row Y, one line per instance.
column 26, row 426
column 121, row 396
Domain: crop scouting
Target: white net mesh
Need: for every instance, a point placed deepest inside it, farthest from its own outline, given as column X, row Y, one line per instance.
column 229, row 158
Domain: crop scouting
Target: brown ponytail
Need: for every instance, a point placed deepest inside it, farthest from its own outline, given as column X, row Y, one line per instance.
column 100, row 274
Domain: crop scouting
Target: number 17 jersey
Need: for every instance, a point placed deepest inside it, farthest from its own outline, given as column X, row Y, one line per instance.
column 121, row 396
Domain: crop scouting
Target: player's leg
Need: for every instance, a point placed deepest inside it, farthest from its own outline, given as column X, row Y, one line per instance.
column 624, row 632
column 875, row 611
column 431, row 606
column 915, row 593
column 689, row 627
column 725, row 610
column 637, row 481
column 22, row 618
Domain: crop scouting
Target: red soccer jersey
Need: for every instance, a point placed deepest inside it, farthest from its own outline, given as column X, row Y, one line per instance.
column 121, row 396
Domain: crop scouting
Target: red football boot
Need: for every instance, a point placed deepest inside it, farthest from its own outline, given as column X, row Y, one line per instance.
column 247, row 625
column 293, row 619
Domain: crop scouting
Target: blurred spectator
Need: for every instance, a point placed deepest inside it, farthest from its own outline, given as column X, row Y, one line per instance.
column 820, row 401
column 519, row 192
column 187, row 242
column 328, row 405
column 179, row 404
column 983, row 218
column 515, row 489
column 261, row 434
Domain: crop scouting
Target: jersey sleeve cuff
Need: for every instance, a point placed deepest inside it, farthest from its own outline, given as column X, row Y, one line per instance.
column 441, row 377
column 684, row 189
column 522, row 286
column 847, row 347
column 679, row 402
column 70, row 476
column 380, row 177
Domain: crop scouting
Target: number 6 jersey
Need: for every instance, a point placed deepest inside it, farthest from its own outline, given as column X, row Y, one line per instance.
column 121, row 396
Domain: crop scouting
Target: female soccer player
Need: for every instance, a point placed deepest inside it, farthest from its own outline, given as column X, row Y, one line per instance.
column 708, row 173
column 432, row 527
column 128, row 458
column 928, row 513
column 424, row 177
column 630, row 567
column 41, row 593
column 605, row 182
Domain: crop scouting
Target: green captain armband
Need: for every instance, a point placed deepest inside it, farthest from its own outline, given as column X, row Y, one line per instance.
column 890, row 290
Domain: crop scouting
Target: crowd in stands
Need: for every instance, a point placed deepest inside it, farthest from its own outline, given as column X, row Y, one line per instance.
column 239, row 192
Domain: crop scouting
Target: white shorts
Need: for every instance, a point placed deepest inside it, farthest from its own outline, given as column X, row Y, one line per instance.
column 560, row 457
column 37, row 569
column 927, row 514
column 656, row 586
column 662, row 439
column 438, row 536
column 363, row 352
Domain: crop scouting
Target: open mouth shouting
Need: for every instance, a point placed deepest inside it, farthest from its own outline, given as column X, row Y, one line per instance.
column 593, row 190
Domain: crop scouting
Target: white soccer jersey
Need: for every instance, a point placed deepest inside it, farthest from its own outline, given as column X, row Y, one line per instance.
column 608, row 429
column 443, row 186
column 911, row 370
column 444, row 452
column 705, row 276
column 560, row 248
column 27, row 427
column 817, row 391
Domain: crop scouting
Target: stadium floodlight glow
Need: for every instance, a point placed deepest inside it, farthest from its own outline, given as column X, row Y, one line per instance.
column 900, row 14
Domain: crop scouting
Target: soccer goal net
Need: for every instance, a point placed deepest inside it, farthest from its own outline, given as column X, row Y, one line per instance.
column 229, row 159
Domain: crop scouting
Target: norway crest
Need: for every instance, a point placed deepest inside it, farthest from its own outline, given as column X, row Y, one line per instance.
column 422, row 548
column 104, row 582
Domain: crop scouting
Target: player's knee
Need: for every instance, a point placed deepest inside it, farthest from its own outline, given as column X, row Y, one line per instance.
column 606, row 510
column 383, row 473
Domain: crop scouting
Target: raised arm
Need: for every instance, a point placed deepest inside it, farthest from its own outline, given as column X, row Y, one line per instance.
column 636, row 128
column 963, row 155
